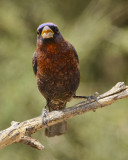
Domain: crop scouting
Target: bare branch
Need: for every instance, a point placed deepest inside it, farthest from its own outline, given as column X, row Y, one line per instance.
column 31, row 142
column 21, row 131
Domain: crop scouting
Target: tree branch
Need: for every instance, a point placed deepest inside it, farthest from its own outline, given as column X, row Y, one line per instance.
column 21, row 132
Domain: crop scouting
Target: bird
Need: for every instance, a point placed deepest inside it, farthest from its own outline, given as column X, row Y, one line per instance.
column 56, row 67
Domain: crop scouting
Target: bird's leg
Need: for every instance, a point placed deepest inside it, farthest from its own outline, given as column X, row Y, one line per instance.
column 89, row 98
column 44, row 116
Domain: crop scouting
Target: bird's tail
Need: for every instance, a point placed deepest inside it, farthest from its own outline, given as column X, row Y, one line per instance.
column 56, row 130
column 59, row 128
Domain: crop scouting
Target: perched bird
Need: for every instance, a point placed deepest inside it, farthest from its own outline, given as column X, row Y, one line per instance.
column 56, row 66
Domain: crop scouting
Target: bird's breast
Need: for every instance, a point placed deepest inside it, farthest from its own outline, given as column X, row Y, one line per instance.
column 58, row 74
column 56, row 64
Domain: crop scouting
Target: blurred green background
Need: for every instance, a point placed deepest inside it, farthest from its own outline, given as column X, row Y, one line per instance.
column 99, row 31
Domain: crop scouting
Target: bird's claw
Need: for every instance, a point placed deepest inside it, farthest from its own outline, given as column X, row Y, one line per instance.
column 94, row 97
column 44, row 117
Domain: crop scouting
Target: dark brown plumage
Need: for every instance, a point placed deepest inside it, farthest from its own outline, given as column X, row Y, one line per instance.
column 55, row 64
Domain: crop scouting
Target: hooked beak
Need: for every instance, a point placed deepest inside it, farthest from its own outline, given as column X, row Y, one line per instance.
column 47, row 32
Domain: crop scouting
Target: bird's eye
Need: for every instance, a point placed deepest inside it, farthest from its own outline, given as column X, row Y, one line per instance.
column 56, row 30
column 37, row 32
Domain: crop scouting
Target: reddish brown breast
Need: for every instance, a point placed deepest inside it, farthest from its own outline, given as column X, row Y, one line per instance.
column 57, row 72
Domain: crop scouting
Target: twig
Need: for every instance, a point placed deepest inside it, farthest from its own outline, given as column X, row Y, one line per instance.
column 21, row 132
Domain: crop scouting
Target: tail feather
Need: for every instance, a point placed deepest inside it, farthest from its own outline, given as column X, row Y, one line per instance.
column 56, row 129
column 59, row 128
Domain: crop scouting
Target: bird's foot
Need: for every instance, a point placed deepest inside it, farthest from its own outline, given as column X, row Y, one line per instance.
column 93, row 97
column 90, row 98
column 44, row 119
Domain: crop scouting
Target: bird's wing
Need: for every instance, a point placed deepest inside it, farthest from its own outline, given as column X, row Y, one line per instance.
column 75, row 53
column 34, row 63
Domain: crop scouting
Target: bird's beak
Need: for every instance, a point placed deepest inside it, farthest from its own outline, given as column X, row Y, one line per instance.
column 47, row 32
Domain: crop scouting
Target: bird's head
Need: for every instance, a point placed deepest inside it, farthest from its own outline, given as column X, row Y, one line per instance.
column 48, row 33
